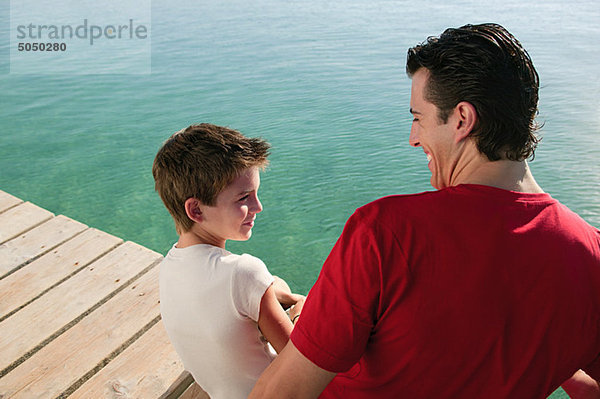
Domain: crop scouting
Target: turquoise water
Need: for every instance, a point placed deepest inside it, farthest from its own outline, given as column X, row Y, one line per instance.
column 322, row 81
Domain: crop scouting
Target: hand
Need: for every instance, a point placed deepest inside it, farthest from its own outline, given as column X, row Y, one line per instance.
column 284, row 294
column 296, row 309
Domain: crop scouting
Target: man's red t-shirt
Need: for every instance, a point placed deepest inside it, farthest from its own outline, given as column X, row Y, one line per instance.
column 470, row 291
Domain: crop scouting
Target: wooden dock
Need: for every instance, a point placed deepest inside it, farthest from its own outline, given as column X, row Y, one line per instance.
column 79, row 313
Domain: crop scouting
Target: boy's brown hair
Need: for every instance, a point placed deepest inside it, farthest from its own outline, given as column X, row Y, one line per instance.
column 199, row 162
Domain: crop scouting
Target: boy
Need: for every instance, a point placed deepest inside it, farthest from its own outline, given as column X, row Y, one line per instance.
column 217, row 307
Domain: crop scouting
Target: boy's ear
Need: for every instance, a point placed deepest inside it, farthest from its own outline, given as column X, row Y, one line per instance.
column 193, row 209
column 465, row 119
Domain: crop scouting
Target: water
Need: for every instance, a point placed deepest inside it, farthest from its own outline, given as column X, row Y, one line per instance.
column 322, row 81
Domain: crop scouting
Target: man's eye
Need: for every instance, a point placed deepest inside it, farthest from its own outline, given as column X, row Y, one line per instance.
column 415, row 119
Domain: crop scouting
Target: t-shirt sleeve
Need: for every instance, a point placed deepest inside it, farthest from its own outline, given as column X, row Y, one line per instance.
column 342, row 307
column 250, row 280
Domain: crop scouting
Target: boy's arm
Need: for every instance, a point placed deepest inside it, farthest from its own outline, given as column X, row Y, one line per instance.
column 273, row 322
column 284, row 294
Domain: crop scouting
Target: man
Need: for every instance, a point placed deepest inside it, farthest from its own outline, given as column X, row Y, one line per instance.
column 486, row 288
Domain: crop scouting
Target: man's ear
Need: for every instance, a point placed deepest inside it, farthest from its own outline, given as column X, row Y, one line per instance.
column 465, row 120
column 193, row 209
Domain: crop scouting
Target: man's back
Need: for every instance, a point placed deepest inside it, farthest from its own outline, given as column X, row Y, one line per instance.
column 470, row 291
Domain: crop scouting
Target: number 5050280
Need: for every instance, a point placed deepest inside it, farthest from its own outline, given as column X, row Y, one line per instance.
column 42, row 47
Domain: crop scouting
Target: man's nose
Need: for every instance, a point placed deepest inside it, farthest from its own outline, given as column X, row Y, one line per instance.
column 413, row 138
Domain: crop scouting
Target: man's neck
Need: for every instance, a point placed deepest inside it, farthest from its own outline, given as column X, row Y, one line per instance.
column 504, row 174
column 508, row 175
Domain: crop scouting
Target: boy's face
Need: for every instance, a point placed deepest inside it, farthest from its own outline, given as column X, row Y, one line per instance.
column 232, row 217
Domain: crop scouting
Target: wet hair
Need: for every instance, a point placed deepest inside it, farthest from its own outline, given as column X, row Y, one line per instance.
column 486, row 66
column 199, row 162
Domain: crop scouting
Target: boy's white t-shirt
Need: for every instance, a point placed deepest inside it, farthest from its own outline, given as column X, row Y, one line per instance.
column 210, row 303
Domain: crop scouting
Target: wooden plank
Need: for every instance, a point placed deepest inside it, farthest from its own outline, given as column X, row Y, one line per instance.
column 46, row 316
column 194, row 392
column 36, row 242
column 144, row 370
column 179, row 386
column 21, row 218
column 185, row 388
column 29, row 282
column 73, row 356
column 8, row 201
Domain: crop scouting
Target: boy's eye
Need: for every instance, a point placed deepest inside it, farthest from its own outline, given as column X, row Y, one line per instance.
column 245, row 197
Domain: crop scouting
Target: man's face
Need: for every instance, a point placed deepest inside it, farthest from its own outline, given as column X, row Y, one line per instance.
column 428, row 132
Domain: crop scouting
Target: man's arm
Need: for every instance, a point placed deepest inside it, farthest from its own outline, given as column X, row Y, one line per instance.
column 291, row 375
column 582, row 386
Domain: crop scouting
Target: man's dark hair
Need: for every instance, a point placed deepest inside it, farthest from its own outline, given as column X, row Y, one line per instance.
column 486, row 66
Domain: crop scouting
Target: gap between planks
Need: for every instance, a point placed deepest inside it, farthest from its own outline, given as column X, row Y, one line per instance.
column 32, row 244
column 21, row 350
column 74, row 354
column 11, row 206
column 47, row 272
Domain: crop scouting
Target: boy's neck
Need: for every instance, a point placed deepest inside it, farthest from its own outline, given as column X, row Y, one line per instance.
column 189, row 238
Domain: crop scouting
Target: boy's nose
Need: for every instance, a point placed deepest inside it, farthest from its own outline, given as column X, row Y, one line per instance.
column 257, row 206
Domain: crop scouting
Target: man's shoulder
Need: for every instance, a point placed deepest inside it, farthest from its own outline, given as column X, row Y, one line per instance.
column 412, row 201
column 396, row 210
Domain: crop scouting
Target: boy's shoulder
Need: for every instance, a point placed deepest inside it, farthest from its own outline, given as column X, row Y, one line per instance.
column 214, row 256
column 197, row 251
column 248, row 264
